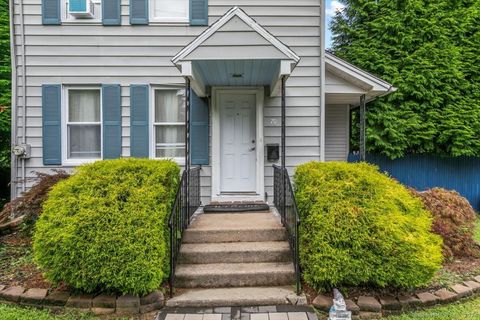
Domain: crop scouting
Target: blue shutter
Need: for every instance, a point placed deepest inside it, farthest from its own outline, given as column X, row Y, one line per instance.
column 198, row 130
column 51, row 12
column 111, row 13
column 139, row 106
column 199, row 12
column 112, row 121
column 51, row 122
column 77, row 5
column 138, row 11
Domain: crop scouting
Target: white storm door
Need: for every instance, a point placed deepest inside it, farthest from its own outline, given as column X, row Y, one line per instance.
column 237, row 143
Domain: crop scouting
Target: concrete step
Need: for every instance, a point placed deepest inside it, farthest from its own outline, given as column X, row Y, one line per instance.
column 220, row 275
column 235, row 252
column 234, row 235
column 232, row 297
column 219, row 221
column 244, row 227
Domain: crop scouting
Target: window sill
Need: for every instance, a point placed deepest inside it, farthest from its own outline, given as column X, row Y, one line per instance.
column 179, row 161
column 82, row 22
column 160, row 22
column 78, row 162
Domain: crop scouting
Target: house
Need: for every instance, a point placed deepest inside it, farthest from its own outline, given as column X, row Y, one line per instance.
column 107, row 79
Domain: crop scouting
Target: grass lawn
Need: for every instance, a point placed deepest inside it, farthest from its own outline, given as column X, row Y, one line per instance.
column 8, row 312
column 459, row 311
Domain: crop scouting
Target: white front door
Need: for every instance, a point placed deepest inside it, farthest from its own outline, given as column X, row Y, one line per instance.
column 237, row 143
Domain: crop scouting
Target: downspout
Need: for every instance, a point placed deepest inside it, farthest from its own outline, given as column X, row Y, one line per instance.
column 322, row 81
column 24, row 94
column 14, row 102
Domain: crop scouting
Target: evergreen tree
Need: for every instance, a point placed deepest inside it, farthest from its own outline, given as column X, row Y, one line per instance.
column 430, row 51
column 5, row 96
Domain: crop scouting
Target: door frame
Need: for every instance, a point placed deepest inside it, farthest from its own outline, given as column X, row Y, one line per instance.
column 259, row 156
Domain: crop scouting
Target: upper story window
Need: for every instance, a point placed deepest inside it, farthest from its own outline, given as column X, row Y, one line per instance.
column 169, row 124
column 89, row 11
column 169, row 11
column 83, row 125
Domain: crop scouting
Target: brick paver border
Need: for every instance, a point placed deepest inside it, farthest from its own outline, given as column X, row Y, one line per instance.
column 364, row 307
column 373, row 307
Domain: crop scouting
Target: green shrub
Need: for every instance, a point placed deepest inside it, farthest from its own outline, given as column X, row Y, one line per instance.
column 105, row 227
column 360, row 227
column 454, row 220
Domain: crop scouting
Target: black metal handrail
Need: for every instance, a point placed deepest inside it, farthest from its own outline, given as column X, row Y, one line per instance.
column 186, row 203
column 284, row 200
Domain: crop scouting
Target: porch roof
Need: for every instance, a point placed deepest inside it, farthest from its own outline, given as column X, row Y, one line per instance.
column 346, row 83
column 235, row 51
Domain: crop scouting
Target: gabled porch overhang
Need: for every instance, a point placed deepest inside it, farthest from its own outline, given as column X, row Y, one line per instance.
column 352, row 83
column 236, row 51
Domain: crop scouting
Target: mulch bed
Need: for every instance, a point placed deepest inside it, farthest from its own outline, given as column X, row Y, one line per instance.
column 16, row 263
column 17, row 268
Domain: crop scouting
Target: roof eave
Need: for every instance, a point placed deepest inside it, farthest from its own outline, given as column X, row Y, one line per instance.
column 236, row 11
column 363, row 76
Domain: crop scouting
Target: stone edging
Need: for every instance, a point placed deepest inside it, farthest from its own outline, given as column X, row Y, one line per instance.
column 364, row 307
column 370, row 307
column 99, row 305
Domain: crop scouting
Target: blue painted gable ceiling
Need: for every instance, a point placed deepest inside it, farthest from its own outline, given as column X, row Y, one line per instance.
column 237, row 72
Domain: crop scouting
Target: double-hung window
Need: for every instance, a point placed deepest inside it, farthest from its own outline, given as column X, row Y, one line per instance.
column 170, row 11
column 169, row 124
column 83, row 125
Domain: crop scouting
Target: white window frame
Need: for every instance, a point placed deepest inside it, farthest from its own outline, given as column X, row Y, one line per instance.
column 64, row 116
column 172, row 20
column 67, row 18
column 153, row 124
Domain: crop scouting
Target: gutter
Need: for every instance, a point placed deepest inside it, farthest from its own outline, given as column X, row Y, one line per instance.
column 390, row 90
column 321, row 134
column 14, row 102
column 24, row 94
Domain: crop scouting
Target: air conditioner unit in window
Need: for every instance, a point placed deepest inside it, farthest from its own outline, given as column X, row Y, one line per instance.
column 82, row 9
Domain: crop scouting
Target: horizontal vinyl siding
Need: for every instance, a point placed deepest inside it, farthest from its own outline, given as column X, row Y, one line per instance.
column 93, row 54
column 337, row 132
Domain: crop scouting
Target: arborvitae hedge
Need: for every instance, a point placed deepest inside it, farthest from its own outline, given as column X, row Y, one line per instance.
column 359, row 227
column 105, row 228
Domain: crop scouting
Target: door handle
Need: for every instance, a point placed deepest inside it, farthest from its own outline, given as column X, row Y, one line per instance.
column 252, row 149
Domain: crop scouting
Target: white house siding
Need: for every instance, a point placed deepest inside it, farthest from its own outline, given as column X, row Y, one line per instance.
column 337, row 132
column 94, row 54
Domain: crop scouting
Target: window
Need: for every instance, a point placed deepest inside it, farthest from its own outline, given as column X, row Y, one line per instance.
column 170, row 11
column 169, row 124
column 83, row 125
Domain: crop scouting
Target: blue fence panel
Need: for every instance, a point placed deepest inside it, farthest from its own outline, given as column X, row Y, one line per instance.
column 427, row 171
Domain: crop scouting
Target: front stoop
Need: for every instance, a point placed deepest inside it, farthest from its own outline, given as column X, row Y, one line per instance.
column 232, row 297
column 234, row 259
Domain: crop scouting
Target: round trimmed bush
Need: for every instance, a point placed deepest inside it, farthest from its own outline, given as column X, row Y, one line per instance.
column 359, row 227
column 105, row 228
column 454, row 220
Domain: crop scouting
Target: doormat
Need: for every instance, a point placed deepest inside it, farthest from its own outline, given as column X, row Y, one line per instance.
column 235, row 207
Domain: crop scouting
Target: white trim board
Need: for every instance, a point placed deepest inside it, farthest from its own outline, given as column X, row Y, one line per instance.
column 235, row 11
column 216, row 170
column 69, row 162
column 355, row 75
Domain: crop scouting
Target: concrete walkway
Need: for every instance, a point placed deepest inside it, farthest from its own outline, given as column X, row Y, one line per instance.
column 282, row 312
